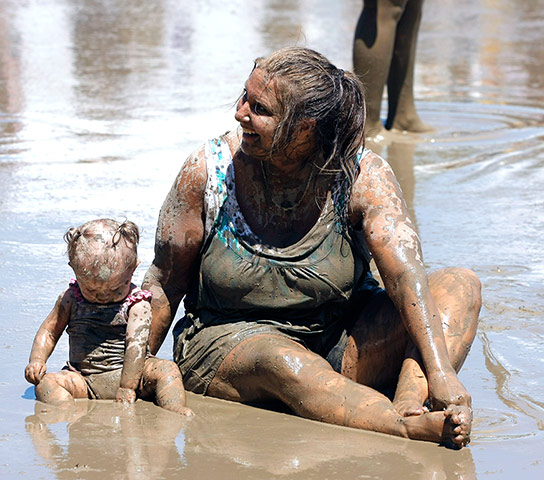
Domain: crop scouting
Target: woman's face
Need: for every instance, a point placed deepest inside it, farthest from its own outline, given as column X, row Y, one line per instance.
column 258, row 112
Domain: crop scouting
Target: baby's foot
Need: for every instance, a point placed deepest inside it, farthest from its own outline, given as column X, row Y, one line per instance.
column 457, row 426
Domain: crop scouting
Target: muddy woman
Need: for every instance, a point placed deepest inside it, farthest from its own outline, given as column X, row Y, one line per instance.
column 267, row 234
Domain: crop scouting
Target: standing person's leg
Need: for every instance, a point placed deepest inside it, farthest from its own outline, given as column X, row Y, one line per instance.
column 402, row 113
column 372, row 53
column 376, row 342
column 266, row 367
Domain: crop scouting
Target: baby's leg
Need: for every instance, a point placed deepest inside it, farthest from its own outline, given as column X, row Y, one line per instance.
column 61, row 388
column 162, row 379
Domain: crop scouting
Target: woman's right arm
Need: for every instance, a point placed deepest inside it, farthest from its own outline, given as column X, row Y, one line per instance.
column 179, row 237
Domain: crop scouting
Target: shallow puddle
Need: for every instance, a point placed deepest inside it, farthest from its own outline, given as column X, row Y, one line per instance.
column 100, row 102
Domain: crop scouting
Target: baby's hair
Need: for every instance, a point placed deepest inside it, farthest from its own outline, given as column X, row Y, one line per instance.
column 92, row 231
column 127, row 230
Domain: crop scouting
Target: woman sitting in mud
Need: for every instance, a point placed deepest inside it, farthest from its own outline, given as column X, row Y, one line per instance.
column 108, row 320
column 268, row 232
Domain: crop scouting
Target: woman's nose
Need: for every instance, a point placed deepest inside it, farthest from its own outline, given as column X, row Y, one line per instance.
column 242, row 110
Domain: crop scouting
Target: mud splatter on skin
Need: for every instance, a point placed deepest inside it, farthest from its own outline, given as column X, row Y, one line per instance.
column 136, row 345
column 302, row 380
column 265, row 368
column 162, row 382
column 394, row 242
column 178, row 240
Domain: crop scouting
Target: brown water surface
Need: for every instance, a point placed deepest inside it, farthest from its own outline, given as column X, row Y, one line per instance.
column 101, row 101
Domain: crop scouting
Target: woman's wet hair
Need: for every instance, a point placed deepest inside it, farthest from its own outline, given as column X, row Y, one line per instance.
column 110, row 234
column 311, row 87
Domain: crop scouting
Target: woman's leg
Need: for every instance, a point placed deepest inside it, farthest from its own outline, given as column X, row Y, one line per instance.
column 162, row 381
column 267, row 367
column 380, row 354
column 61, row 388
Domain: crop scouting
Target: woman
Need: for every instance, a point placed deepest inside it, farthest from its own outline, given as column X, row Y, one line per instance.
column 267, row 233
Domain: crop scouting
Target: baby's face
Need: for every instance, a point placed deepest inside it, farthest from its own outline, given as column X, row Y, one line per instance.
column 97, row 289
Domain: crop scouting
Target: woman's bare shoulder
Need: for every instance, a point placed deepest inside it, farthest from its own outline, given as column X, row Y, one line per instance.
column 234, row 138
column 372, row 168
column 375, row 183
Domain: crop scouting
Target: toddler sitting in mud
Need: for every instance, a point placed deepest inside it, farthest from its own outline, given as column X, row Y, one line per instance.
column 108, row 320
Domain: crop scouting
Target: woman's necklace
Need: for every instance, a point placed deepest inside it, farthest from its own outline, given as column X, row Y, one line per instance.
column 286, row 204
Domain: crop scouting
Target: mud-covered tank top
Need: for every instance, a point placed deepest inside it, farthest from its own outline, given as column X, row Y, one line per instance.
column 242, row 278
column 97, row 331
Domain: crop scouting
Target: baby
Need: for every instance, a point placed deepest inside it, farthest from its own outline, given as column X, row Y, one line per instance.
column 108, row 320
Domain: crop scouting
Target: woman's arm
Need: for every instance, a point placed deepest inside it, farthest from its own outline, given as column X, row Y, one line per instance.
column 178, row 240
column 47, row 337
column 393, row 240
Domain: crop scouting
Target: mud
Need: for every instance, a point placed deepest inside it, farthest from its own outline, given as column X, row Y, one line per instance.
column 100, row 103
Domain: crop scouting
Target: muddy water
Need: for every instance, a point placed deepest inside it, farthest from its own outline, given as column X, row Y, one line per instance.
column 100, row 102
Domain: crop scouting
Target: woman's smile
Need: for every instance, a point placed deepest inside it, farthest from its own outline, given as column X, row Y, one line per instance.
column 258, row 114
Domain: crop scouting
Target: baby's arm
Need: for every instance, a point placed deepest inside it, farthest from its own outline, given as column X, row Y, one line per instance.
column 137, row 338
column 47, row 337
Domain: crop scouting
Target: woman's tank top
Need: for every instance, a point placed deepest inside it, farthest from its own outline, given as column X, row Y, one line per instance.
column 242, row 278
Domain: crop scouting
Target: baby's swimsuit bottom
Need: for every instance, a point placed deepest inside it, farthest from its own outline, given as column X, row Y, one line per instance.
column 97, row 340
column 308, row 292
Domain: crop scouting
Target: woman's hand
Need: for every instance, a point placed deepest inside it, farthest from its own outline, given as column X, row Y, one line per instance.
column 35, row 371
column 445, row 389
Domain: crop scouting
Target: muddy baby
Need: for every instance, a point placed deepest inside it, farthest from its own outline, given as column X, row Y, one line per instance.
column 108, row 321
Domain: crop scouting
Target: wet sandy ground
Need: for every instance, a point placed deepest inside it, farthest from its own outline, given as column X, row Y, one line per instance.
column 100, row 102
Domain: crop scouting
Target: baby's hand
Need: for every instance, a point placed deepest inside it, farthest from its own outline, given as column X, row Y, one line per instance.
column 125, row 395
column 35, row 371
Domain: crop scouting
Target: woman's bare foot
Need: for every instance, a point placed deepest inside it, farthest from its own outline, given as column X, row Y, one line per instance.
column 407, row 406
column 450, row 427
column 457, row 427
column 412, row 387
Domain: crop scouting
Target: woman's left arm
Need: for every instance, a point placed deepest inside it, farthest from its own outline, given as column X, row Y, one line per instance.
column 394, row 243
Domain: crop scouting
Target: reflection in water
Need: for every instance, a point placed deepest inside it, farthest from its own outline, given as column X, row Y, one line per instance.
column 280, row 445
column 134, row 442
column 10, row 82
column 101, row 439
column 400, row 155
column 522, row 402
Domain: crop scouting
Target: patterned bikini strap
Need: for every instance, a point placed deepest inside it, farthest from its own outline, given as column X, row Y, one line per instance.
column 218, row 160
column 361, row 153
